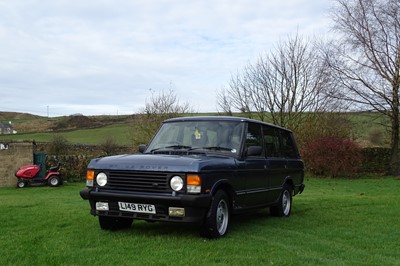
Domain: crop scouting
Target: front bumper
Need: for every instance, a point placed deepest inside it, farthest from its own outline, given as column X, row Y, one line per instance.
column 195, row 205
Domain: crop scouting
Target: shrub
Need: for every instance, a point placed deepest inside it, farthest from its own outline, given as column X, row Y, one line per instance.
column 109, row 146
column 376, row 137
column 376, row 160
column 73, row 167
column 59, row 145
column 321, row 125
column 332, row 156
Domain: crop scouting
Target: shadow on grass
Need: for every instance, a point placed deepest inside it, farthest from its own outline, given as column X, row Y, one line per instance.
column 164, row 228
column 240, row 222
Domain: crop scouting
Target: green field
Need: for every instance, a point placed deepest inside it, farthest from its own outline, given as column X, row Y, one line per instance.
column 334, row 222
column 120, row 128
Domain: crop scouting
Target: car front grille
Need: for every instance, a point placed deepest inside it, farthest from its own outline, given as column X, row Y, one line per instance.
column 139, row 181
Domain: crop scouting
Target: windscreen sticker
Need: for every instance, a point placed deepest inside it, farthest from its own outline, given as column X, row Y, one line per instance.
column 197, row 134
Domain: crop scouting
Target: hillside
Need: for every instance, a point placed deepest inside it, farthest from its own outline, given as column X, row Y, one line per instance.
column 27, row 123
column 16, row 116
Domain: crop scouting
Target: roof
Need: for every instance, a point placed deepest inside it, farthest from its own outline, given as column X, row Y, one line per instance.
column 221, row 118
column 5, row 125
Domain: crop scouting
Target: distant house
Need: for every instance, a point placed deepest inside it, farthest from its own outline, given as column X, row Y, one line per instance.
column 6, row 129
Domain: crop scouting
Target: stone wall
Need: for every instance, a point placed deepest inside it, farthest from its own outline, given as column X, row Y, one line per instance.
column 13, row 156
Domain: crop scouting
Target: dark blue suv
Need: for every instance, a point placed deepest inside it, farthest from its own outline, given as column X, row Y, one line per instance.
column 198, row 170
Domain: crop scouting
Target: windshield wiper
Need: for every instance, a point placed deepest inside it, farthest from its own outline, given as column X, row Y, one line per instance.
column 171, row 147
column 216, row 148
column 178, row 147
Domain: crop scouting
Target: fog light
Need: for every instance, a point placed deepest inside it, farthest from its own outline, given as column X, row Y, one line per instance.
column 176, row 212
column 102, row 206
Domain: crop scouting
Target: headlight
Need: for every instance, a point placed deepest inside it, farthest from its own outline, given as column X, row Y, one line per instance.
column 101, row 179
column 176, row 183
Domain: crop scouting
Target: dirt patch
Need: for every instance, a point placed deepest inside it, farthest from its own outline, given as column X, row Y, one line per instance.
column 76, row 122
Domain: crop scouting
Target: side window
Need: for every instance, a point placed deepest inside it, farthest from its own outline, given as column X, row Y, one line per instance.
column 288, row 147
column 271, row 141
column 254, row 138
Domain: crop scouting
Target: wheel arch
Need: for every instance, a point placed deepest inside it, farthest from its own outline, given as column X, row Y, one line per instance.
column 224, row 185
column 289, row 181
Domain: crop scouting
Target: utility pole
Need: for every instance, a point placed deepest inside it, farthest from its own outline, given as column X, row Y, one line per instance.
column 47, row 111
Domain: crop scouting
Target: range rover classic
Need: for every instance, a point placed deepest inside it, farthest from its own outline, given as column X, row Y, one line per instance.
column 198, row 170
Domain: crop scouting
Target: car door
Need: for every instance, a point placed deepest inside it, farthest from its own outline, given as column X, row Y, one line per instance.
column 287, row 164
column 294, row 164
column 276, row 170
column 255, row 165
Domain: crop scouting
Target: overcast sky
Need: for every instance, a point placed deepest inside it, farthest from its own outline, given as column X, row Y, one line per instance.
column 95, row 57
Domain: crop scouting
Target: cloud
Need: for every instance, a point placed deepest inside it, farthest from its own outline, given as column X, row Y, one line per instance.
column 97, row 57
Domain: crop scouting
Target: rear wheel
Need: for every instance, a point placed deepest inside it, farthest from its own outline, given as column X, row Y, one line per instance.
column 114, row 223
column 54, row 181
column 284, row 208
column 217, row 220
column 21, row 183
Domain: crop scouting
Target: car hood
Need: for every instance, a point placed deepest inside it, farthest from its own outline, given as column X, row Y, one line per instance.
column 164, row 163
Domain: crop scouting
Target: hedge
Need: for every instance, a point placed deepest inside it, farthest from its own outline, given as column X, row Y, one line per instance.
column 374, row 161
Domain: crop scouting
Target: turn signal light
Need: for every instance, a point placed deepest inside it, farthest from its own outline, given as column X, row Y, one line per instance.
column 89, row 178
column 90, row 174
column 193, row 184
column 193, row 180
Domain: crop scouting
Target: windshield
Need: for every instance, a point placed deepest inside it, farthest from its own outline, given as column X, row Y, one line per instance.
column 213, row 136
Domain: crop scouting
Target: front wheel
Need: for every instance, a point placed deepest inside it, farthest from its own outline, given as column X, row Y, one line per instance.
column 21, row 183
column 284, row 207
column 114, row 223
column 217, row 220
column 54, row 181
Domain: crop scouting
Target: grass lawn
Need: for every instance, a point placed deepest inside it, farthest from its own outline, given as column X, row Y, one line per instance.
column 334, row 222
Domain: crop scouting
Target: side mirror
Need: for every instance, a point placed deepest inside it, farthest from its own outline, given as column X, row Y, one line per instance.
column 142, row 148
column 254, row 151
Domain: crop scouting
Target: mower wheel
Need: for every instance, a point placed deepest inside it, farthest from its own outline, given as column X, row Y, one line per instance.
column 21, row 183
column 54, row 181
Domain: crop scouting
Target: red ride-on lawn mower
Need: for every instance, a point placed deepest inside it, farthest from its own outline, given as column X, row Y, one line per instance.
column 36, row 173
column 31, row 174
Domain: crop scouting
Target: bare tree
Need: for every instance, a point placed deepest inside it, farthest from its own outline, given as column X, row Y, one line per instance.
column 283, row 85
column 366, row 60
column 223, row 102
column 165, row 104
column 159, row 107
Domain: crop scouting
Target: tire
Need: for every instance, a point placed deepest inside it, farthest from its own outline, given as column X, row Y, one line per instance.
column 54, row 181
column 216, row 222
column 114, row 223
column 21, row 183
column 284, row 207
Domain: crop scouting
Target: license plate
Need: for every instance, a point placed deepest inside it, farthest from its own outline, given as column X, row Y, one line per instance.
column 136, row 207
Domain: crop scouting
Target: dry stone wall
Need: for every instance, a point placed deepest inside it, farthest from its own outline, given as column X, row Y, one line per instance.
column 13, row 156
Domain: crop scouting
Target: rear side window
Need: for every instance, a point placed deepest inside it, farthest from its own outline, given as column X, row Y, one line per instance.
column 254, row 136
column 271, row 141
column 288, row 146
